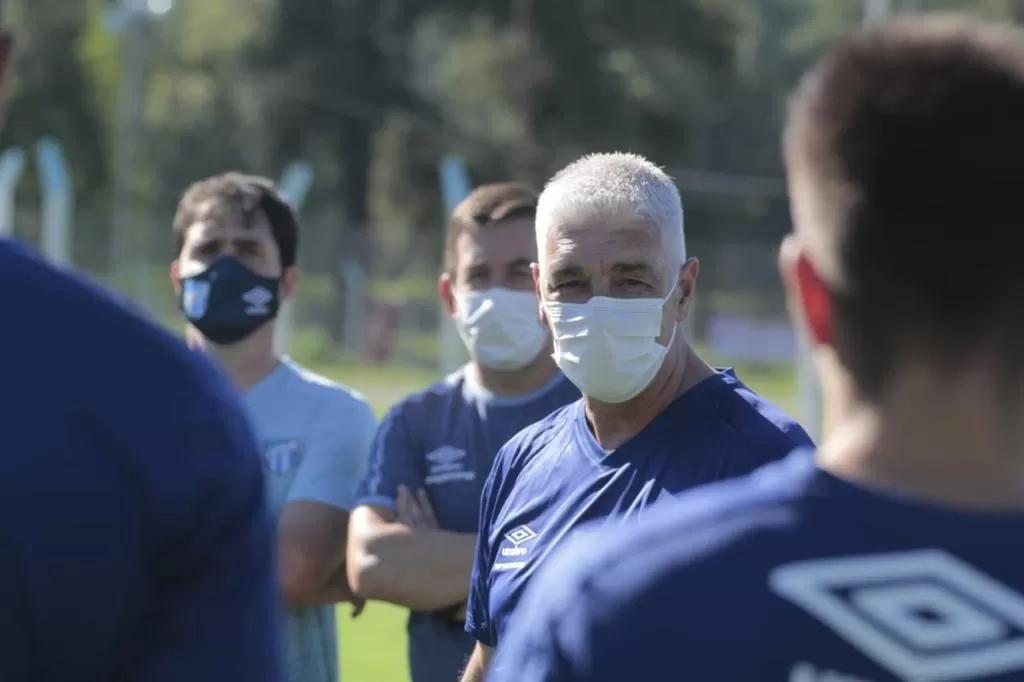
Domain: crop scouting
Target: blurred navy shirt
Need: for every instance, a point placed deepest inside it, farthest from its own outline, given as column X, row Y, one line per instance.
column 554, row 476
column 135, row 542
column 788, row 575
column 444, row 440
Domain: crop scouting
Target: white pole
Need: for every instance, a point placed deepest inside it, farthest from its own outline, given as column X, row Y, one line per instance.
column 455, row 187
column 12, row 162
column 294, row 185
column 354, row 276
column 58, row 201
column 876, row 12
column 128, row 242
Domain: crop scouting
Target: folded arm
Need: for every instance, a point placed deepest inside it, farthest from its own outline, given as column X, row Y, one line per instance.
column 313, row 528
column 424, row 569
column 311, row 554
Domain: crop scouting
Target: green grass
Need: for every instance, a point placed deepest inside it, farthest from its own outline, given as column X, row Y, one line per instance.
column 373, row 646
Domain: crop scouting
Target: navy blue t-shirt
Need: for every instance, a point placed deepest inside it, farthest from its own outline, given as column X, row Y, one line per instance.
column 135, row 542
column 788, row 575
column 443, row 440
column 554, row 476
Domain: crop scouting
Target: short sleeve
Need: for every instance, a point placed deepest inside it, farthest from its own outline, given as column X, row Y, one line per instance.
column 553, row 635
column 478, row 609
column 335, row 455
column 394, row 459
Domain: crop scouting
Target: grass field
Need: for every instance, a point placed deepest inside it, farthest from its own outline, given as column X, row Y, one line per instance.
column 373, row 647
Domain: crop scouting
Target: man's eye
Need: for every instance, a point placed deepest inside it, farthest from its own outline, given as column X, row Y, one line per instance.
column 569, row 285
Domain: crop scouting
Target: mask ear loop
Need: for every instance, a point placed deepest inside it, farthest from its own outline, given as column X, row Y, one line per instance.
column 675, row 327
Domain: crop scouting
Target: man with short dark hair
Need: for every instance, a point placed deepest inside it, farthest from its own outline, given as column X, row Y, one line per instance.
column 236, row 242
column 893, row 554
column 413, row 533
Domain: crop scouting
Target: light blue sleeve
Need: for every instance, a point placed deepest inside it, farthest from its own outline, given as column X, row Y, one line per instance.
column 336, row 453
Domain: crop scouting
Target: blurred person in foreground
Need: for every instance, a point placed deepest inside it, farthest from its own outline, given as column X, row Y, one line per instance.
column 894, row 553
column 412, row 535
column 236, row 242
column 615, row 285
column 135, row 539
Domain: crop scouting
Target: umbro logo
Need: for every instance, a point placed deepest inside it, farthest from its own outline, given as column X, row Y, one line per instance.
column 446, row 454
column 923, row 615
column 258, row 298
column 518, row 536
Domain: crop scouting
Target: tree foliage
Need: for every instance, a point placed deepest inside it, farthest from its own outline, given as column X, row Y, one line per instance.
column 375, row 92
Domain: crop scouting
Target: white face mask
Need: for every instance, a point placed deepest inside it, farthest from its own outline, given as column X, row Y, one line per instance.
column 500, row 327
column 608, row 346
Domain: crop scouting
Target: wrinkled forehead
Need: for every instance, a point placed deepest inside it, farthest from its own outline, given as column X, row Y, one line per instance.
column 600, row 245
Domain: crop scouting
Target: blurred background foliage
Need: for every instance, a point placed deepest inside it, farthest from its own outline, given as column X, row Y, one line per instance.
column 373, row 93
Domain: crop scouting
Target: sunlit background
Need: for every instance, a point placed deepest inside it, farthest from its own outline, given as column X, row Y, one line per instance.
column 356, row 105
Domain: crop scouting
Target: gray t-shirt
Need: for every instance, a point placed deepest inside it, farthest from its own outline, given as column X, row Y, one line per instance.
column 443, row 440
column 315, row 436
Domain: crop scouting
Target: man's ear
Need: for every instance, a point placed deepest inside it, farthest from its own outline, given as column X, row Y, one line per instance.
column 289, row 282
column 535, row 271
column 175, row 275
column 445, row 293
column 687, row 285
column 808, row 298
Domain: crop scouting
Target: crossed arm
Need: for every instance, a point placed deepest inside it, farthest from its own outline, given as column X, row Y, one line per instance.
column 401, row 556
column 313, row 527
column 311, row 555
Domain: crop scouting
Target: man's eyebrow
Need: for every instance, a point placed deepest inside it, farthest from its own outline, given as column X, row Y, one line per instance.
column 632, row 268
column 519, row 263
column 568, row 270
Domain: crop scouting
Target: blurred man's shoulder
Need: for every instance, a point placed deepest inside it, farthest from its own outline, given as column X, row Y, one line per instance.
column 80, row 326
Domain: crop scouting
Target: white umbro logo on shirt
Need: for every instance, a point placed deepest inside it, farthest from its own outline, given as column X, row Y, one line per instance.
column 518, row 536
column 514, row 557
column 257, row 298
column 924, row 615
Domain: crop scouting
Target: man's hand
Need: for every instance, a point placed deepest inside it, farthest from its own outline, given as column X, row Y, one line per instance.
column 415, row 510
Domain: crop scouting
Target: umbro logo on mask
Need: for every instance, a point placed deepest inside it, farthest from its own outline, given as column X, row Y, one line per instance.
column 257, row 300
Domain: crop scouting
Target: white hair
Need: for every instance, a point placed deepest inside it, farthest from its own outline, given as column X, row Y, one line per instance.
column 615, row 187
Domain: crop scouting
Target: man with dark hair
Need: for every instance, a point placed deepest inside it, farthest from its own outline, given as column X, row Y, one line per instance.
column 135, row 539
column 412, row 535
column 892, row 554
column 236, row 244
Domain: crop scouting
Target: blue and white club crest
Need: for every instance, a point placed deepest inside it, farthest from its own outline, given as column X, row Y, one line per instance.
column 195, row 296
column 281, row 456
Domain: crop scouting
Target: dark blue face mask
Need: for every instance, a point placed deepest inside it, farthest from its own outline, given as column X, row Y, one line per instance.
column 227, row 301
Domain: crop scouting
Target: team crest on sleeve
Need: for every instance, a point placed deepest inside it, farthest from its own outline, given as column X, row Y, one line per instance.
column 924, row 615
column 195, row 295
column 281, row 456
